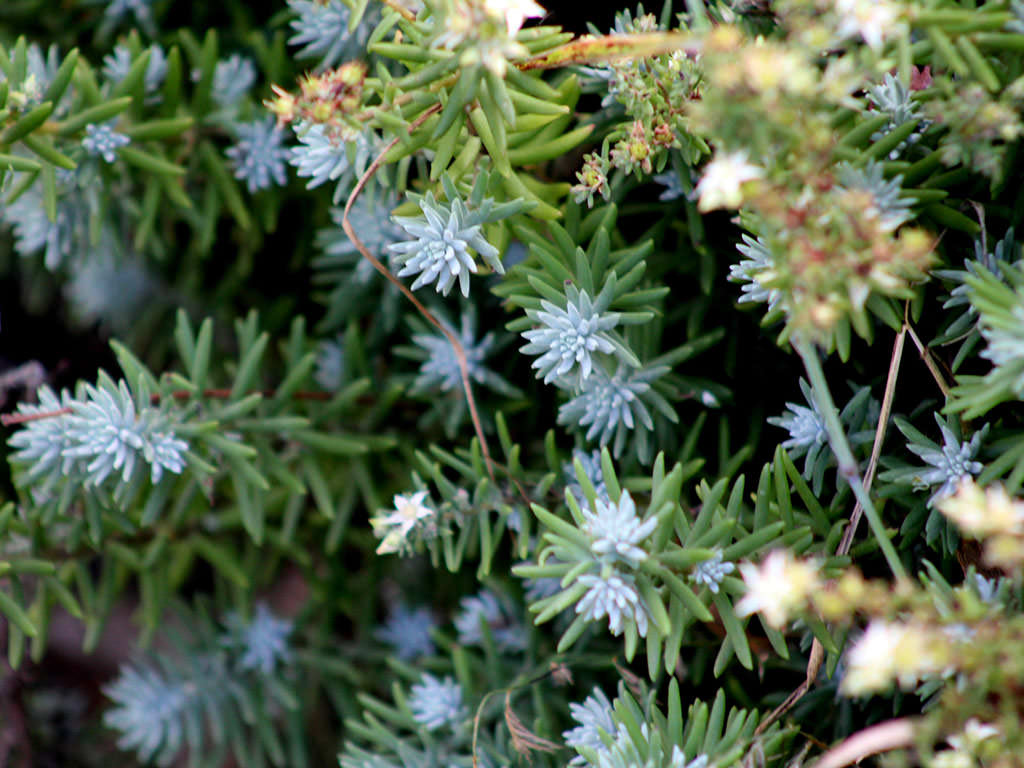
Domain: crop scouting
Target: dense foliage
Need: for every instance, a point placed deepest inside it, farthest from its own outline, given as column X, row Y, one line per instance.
column 484, row 393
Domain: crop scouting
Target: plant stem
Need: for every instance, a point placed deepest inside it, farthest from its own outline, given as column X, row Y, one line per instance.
column 841, row 448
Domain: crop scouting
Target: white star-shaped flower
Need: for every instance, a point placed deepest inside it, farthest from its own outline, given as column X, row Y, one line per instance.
column 984, row 513
column 395, row 526
column 871, row 663
column 723, row 179
column 776, row 587
column 514, row 12
column 973, row 734
column 870, row 19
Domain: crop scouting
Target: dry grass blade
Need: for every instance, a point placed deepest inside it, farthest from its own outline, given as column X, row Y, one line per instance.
column 817, row 651
column 929, row 361
column 876, row 448
column 813, row 667
column 525, row 741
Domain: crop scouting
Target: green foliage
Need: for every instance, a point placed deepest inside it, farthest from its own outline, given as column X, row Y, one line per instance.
column 470, row 508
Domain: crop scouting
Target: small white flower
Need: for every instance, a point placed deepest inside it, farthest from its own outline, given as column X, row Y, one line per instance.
column 871, row 662
column 889, row 652
column 973, row 734
column 984, row 513
column 776, row 587
column 723, row 179
column 953, row 758
column 616, row 530
column 394, row 527
column 514, row 12
column 869, row 19
column 613, row 596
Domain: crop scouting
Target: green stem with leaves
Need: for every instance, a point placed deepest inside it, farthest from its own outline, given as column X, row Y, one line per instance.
column 841, row 448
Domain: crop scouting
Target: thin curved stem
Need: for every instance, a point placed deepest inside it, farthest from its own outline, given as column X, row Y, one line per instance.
column 460, row 352
column 841, row 448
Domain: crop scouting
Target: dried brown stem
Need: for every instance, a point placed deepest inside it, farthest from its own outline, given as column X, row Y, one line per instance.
column 11, row 419
column 817, row 651
column 876, row 448
column 883, row 737
column 813, row 667
column 929, row 361
column 460, row 352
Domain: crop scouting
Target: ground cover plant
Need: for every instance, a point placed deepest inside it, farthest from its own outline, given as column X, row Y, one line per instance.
column 483, row 383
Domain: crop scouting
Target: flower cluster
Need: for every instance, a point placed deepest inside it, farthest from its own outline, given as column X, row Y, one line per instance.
column 483, row 32
column 394, row 528
column 653, row 91
column 991, row 516
column 889, row 652
column 777, row 587
column 327, row 99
